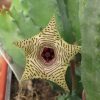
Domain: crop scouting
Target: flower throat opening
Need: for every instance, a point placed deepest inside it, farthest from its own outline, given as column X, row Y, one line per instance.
column 48, row 54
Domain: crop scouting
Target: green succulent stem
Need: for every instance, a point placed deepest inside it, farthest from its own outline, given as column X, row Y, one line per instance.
column 90, row 29
column 65, row 21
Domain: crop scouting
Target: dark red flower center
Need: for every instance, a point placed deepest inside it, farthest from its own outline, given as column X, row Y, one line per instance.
column 48, row 54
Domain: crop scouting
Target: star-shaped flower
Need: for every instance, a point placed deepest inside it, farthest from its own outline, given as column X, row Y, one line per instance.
column 47, row 55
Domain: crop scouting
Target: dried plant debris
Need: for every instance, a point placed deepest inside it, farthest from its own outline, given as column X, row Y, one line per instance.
column 36, row 89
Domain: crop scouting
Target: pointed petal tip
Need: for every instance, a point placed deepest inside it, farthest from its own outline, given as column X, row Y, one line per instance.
column 23, row 78
column 17, row 43
column 79, row 48
column 53, row 18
